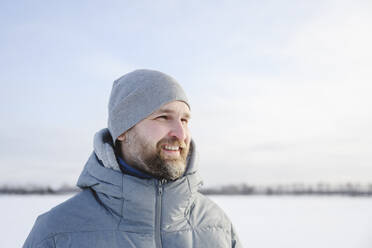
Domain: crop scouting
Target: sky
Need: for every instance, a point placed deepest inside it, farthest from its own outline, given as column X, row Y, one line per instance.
column 279, row 90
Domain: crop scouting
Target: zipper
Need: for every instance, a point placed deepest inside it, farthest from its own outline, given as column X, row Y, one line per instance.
column 158, row 213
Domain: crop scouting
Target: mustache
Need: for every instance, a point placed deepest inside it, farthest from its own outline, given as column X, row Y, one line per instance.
column 173, row 141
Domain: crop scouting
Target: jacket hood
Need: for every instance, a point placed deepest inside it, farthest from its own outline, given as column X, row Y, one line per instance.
column 102, row 174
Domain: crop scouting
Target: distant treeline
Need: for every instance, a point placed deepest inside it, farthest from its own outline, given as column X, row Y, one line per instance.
column 347, row 189
column 37, row 190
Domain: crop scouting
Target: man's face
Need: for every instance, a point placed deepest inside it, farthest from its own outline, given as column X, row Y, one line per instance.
column 159, row 144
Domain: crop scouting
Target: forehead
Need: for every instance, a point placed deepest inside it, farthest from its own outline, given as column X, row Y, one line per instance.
column 177, row 107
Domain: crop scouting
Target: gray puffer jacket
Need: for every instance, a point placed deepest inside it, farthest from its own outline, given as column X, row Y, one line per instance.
column 118, row 210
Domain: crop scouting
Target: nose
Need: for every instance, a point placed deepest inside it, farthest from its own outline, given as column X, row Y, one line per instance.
column 178, row 130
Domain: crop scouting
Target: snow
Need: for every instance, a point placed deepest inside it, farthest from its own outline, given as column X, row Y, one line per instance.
column 305, row 222
column 260, row 221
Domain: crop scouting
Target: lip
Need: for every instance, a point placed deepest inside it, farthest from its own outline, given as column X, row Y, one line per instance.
column 164, row 145
column 171, row 152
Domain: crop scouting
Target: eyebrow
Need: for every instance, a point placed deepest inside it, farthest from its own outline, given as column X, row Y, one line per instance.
column 168, row 111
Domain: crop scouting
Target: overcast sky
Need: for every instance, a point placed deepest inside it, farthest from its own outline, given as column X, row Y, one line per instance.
column 280, row 91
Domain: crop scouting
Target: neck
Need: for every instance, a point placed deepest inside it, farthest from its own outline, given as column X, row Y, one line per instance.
column 127, row 169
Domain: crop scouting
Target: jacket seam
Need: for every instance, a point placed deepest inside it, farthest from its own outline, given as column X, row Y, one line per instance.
column 214, row 227
column 52, row 236
column 46, row 238
column 122, row 203
column 191, row 204
column 189, row 212
column 206, row 228
column 54, row 241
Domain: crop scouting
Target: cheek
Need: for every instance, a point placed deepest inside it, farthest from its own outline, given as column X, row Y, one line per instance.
column 154, row 133
column 188, row 135
column 188, row 141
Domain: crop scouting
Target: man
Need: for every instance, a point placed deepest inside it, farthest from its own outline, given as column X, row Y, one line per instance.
column 140, row 185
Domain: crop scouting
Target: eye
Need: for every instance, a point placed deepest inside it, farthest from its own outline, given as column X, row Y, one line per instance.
column 162, row 117
column 185, row 121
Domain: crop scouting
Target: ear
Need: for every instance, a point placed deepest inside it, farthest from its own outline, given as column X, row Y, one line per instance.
column 121, row 137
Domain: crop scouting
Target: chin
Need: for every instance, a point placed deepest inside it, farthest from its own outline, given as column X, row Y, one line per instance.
column 175, row 170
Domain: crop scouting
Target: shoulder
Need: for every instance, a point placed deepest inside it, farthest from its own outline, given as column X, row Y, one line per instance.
column 82, row 212
column 206, row 213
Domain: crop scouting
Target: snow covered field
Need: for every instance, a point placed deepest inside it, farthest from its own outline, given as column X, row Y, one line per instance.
column 261, row 222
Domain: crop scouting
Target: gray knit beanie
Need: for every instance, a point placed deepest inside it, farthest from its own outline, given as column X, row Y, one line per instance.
column 136, row 95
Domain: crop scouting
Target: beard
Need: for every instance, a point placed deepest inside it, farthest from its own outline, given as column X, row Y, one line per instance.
column 143, row 156
column 167, row 168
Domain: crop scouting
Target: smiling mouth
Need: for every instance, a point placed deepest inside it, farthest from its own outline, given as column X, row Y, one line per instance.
column 170, row 148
